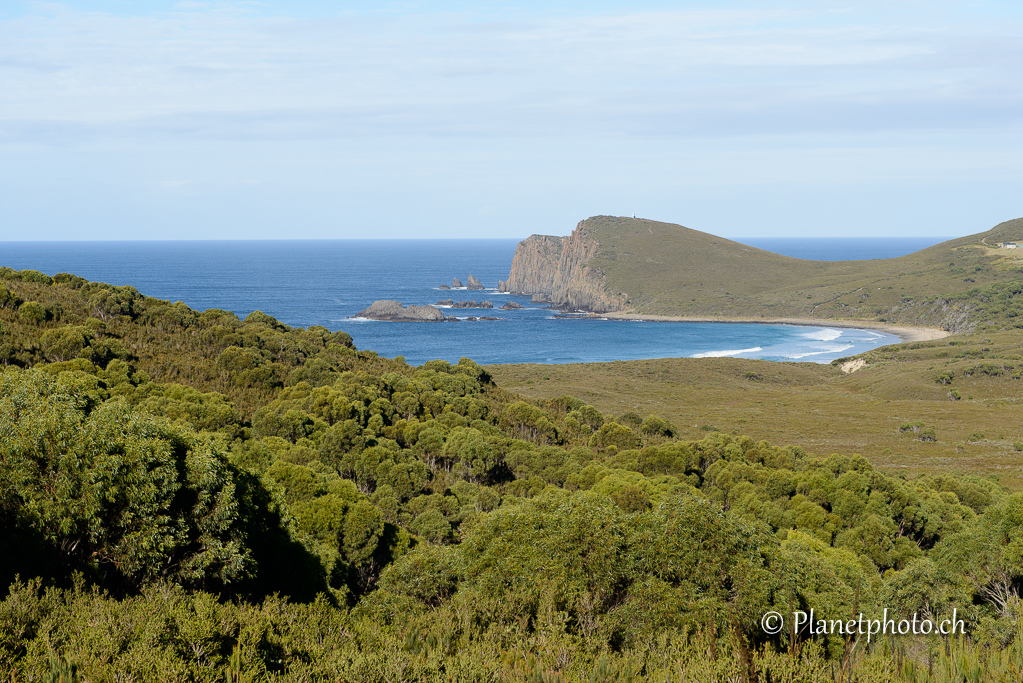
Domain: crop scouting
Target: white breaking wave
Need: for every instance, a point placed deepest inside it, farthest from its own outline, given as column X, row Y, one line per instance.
column 831, row 349
column 823, row 335
column 722, row 354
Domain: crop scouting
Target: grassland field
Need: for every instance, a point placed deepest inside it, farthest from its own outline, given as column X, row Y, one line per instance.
column 822, row 409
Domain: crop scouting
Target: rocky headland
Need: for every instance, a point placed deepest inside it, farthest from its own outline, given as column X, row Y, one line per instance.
column 556, row 270
column 396, row 312
column 617, row 264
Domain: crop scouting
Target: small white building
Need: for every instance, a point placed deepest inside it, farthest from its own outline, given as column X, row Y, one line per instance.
column 1008, row 245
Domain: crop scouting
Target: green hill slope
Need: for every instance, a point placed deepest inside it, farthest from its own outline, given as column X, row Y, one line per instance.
column 665, row 269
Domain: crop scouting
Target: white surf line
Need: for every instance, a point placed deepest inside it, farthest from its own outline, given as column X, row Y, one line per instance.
column 839, row 349
column 826, row 334
column 722, row 354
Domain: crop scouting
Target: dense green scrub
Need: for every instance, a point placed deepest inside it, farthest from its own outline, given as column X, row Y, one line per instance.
column 185, row 494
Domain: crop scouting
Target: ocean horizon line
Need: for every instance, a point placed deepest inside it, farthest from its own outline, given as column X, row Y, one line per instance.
column 743, row 240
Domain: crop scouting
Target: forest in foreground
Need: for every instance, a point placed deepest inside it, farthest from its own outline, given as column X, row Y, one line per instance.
column 188, row 496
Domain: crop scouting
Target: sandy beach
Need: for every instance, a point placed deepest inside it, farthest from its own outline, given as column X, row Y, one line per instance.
column 909, row 334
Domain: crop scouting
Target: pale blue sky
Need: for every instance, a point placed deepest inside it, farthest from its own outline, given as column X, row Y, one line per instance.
column 192, row 120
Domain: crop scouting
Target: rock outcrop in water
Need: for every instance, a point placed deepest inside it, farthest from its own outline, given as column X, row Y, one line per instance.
column 512, row 306
column 465, row 304
column 456, row 283
column 474, row 283
column 555, row 270
column 396, row 312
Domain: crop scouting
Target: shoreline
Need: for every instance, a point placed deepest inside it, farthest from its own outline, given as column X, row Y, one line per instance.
column 906, row 334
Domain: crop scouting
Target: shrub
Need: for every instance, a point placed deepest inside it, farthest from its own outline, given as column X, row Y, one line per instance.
column 8, row 299
column 613, row 434
column 35, row 276
column 655, row 426
column 111, row 490
column 32, row 312
column 631, row 419
column 428, row 574
column 65, row 343
column 264, row 319
column 108, row 302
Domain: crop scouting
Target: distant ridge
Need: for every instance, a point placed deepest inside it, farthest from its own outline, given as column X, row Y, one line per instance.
column 620, row 264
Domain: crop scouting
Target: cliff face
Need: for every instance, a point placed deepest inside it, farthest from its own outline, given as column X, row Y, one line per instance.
column 556, row 268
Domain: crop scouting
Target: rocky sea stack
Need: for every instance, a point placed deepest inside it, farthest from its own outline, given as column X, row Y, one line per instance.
column 396, row 312
column 474, row 283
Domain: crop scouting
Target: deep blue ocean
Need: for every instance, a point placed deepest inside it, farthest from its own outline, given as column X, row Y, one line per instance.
column 325, row 282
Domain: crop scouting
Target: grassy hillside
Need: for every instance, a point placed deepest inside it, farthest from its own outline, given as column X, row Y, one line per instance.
column 666, row 269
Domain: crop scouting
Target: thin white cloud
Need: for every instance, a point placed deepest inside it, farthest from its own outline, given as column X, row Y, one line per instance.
column 671, row 73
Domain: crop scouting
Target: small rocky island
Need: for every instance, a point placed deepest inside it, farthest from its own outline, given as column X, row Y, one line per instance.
column 457, row 284
column 465, row 304
column 395, row 311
